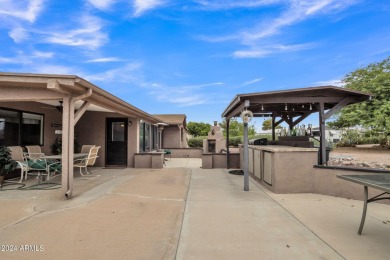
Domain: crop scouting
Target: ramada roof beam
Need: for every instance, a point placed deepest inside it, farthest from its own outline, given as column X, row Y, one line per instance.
column 293, row 100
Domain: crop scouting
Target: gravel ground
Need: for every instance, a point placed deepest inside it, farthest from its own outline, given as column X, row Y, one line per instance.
column 363, row 153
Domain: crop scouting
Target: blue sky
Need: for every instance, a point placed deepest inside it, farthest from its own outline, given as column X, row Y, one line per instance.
column 193, row 57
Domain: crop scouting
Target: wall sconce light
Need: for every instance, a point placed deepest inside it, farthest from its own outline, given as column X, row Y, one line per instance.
column 285, row 106
column 262, row 107
column 130, row 123
column 311, row 107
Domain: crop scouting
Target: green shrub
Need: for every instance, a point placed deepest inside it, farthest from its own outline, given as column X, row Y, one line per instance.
column 372, row 140
column 235, row 141
column 196, row 142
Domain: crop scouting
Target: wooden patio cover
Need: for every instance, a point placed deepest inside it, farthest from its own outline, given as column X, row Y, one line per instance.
column 293, row 106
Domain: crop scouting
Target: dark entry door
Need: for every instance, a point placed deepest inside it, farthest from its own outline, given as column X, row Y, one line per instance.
column 116, row 138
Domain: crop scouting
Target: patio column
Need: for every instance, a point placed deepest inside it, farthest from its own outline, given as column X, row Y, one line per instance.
column 322, row 157
column 160, row 129
column 273, row 126
column 227, row 144
column 67, row 146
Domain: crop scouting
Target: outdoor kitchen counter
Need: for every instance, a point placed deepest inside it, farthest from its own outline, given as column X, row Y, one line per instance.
column 282, row 169
column 281, row 148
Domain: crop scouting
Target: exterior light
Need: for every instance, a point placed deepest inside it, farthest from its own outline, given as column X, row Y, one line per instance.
column 262, row 107
column 246, row 116
column 303, row 106
column 285, row 106
column 311, row 107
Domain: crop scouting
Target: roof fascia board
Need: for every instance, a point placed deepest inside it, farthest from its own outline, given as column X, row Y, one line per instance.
column 293, row 100
column 28, row 94
column 232, row 104
column 238, row 109
column 114, row 103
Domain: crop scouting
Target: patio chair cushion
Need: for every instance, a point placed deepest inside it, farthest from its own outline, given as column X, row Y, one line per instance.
column 38, row 164
column 56, row 167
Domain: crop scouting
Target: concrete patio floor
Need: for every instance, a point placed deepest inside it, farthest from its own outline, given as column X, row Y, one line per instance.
column 186, row 213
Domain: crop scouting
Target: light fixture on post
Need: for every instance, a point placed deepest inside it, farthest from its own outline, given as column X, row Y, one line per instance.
column 246, row 117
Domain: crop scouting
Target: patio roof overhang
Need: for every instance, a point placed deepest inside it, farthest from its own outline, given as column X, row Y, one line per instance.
column 297, row 101
column 293, row 106
column 46, row 87
column 70, row 89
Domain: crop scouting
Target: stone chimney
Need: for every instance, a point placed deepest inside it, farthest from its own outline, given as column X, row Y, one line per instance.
column 215, row 141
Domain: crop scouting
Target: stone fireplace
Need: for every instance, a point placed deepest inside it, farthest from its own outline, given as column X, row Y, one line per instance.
column 215, row 141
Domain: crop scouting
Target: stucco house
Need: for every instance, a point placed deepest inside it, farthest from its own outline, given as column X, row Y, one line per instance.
column 175, row 132
column 37, row 109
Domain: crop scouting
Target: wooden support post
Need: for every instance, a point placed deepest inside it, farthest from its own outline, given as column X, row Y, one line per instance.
column 322, row 157
column 273, row 127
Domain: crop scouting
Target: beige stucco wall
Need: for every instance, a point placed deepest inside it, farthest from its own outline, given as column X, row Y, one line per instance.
column 186, row 152
column 50, row 116
column 91, row 129
column 152, row 160
column 171, row 137
column 218, row 160
column 325, row 182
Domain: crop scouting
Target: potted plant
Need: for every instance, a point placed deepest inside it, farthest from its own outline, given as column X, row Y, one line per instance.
column 57, row 146
column 7, row 165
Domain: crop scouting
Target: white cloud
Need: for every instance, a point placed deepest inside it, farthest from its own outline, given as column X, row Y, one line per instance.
column 188, row 95
column 251, row 81
column 128, row 73
column 54, row 69
column 22, row 9
column 101, row 60
column 332, row 82
column 178, row 97
column 102, row 4
column 42, row 54
column 22, row 58
column 142, row 6
column 297, row 11
column 18, row 34
column 262, row 51
column 89, row 35
column 251, row 54
column 229, row 4
column 293, row 12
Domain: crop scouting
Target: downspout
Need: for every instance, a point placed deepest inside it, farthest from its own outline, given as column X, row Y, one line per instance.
column 85, row 95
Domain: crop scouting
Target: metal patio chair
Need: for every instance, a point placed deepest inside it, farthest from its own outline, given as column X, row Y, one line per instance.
column 87, row 161
column 37, row 162
column 86, row 148
column 18, row 156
